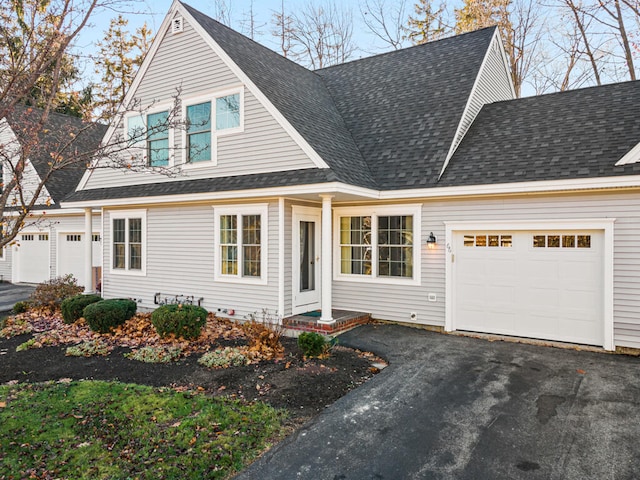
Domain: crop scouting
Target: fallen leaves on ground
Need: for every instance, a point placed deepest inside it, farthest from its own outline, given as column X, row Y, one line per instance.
column 137, row 332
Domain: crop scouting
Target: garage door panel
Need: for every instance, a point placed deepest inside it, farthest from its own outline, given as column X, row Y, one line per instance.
column 33, row 257
column 545, row 288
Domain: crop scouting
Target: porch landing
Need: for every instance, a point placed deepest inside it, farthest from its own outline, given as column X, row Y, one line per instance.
column 344, row 320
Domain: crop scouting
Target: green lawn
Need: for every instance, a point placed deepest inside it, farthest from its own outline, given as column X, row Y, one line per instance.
column 93, row 430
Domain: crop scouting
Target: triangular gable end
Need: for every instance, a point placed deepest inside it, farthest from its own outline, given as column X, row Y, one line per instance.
column 492, row 84
column 632, row 156
column 169, row 26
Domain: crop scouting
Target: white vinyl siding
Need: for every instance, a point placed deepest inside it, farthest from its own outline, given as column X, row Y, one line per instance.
column 391, row 302
column 181, row 260
column 186, row 61
column 492, row 85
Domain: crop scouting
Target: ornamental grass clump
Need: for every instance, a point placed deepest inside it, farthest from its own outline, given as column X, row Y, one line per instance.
column 50, row 294
column 105, row 315
column 73, row 307
column 184, row 321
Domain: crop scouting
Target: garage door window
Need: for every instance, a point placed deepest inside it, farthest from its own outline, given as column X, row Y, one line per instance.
column 491, row 240
column 562, row 241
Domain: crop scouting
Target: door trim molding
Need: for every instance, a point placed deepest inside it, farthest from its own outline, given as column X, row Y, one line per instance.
column 298, row 212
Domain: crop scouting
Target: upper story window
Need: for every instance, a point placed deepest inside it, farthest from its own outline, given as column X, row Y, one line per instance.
column 158, row 139
column 228, row 112
column 208, row 118
column 199, row 132
column 150, row 133
column 378, row 244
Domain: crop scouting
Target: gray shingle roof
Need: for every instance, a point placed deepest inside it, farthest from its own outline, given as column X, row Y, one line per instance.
column 570, row 135
column 56, row 138
column 403, row 108
column 205, row 185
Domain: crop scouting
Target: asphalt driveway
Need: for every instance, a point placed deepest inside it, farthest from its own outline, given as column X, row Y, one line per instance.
column 450, row 407
column 11, row 293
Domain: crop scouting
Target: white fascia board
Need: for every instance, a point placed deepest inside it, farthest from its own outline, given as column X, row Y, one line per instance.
column 632, row 156
column 262, row 98
column 515, row 188
column 134, row 86
column 549, row 186
column 332, row 187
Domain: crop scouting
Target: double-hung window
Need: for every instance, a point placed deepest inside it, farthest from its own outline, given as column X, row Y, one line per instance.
column 241, row 243
column 128, row 238
column 378, row 244
column 151, row 133
column 208, row 118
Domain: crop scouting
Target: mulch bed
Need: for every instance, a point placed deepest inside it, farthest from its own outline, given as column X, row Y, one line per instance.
column 302, row 386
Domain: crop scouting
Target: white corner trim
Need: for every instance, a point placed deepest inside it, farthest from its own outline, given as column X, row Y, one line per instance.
column 604, row 224
column 261, row 97
column 632, row 156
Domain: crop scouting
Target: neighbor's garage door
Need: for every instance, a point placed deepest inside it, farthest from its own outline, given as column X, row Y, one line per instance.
column 32, row 253
column 537, row 284
column 71, row 255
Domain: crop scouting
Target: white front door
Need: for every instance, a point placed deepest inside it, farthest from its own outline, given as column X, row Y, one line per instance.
column 306, row 259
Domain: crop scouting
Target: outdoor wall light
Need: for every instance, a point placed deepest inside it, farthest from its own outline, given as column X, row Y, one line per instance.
column 431, row 241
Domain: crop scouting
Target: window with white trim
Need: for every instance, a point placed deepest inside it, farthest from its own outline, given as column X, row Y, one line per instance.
column 380, row 244
column 241, row 243
column 208, row 118
column 150, row 133
column 128, row 242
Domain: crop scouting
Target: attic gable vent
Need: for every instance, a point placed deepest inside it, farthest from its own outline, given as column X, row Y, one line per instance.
column 177, row 25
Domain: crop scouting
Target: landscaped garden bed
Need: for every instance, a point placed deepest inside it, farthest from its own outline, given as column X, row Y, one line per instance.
column 41, row 355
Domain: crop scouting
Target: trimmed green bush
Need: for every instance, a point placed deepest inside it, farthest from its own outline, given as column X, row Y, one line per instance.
column 73, row 307
column 312, row 344
column 104, row 315
column 21, row 307
column 184, row 321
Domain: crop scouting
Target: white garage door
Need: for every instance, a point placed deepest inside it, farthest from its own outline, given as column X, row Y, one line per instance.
column 32, row 254
column 537, row 284
column 71, row 254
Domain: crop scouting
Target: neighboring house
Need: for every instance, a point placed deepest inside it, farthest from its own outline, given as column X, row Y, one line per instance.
column 51, row 242
column 409, row 185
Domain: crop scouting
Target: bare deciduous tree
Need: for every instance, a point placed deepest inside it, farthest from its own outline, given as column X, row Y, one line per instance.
column 322, row 35
column 282, row 29
column 250, row 25
column 35, row 37
column 387, row 23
